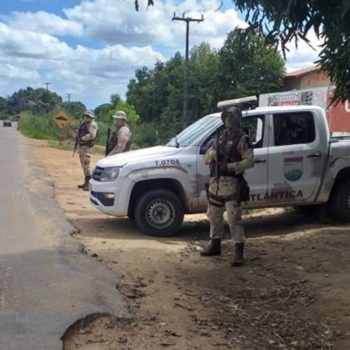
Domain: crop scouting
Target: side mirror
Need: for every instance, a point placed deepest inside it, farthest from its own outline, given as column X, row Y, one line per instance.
column 207, row 144
column 203, row 149
column 246, row 130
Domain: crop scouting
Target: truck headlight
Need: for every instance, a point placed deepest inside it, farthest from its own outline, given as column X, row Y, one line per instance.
column 109, row 174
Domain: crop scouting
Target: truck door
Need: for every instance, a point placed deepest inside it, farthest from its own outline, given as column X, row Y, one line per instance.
column 255, row 125
column 297, row 158
column 256, row 177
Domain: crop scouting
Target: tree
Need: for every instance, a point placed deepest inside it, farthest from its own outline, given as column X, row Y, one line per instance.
column 104, row 112
column 248, row 66
column 144, row 92
column 3, row 108
column 34, row 100
column 204, row 83
column 75, row 109
column 157, row 95
column 245, row 65
column 285, row 21
column 115, row 99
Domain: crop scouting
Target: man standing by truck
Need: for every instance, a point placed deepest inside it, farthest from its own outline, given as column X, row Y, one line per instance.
column 229, row 156
column 85, row 140
column 121, row 140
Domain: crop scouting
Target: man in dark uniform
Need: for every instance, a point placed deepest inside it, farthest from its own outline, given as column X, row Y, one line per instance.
column 235, row 154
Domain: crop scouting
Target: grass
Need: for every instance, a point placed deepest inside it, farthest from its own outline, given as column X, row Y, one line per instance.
column 42, row 127
column 35, row 134
column 38, row 126
column 64, row 145
column 69, row 146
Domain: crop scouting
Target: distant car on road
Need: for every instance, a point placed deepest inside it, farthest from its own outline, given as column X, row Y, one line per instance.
column 7, row 123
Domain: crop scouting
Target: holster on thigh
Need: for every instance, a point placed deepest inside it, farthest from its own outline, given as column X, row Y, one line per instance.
column 216, row 201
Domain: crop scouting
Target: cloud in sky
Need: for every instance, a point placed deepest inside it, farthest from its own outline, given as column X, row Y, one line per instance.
column 93, row 49
column 303, row 55
column 43, row 22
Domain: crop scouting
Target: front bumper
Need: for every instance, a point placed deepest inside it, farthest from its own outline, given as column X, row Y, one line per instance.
column 107, row 199
column 111, row 198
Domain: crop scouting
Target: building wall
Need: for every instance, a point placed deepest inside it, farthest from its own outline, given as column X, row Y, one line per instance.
column 308, row 80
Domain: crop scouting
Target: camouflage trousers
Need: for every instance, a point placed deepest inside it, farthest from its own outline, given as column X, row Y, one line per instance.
column 85, row 159
column 225, row 188
column 234, row 220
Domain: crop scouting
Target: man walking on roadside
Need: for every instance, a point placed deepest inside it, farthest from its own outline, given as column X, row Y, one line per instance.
column 229, row 156
column 121, row 140
column 85, row 139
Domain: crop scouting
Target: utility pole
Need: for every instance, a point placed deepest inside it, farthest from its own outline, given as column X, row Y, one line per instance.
column 47, row 85
column 187, row 20
column 69, row 96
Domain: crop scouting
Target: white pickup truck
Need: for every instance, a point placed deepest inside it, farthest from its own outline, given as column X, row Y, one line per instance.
column 297, row 163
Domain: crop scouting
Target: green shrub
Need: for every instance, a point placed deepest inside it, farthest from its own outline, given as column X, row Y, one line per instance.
column 38, row 126
column 145, row 135
column 42, row 126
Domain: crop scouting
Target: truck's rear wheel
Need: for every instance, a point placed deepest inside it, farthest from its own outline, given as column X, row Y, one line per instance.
column 159, row 213
column 340, row 201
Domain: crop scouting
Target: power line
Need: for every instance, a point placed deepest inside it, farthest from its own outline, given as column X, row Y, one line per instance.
column 187, row 20
column 47, row 85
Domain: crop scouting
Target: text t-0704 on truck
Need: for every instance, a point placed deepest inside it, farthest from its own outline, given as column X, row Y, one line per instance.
column 297, row 163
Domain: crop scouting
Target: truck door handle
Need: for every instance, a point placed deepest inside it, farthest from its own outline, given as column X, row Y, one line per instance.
column 257, row 161
column 314, row 155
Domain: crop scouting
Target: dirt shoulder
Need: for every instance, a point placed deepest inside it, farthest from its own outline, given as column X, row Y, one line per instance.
column 293, row 292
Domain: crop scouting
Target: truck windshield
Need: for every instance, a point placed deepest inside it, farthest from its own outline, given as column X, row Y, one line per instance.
column 195, row 131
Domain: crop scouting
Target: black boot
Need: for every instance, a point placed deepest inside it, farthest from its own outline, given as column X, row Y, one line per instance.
column 83, row 184
column 86, row 184
column 214, row 248
column 238, row 259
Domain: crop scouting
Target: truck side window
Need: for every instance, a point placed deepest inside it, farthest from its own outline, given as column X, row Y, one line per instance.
column 254, row 127
column 293, row 128
column 208, row 142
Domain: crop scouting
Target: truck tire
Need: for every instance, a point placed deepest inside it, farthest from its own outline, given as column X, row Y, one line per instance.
column 340, row 201
column 159, row 213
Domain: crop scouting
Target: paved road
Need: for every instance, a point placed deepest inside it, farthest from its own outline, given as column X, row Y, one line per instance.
column 46, row 284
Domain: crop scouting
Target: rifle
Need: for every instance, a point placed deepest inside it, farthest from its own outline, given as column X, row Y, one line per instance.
column 107, row 150
column 77, row 138
column 217, row 159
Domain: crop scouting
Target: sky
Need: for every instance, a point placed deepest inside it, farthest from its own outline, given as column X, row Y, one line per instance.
column 91, row 48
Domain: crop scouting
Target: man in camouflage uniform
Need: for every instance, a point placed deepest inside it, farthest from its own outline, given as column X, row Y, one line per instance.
column 235, row 155
column 86, row 137
column 121, row 140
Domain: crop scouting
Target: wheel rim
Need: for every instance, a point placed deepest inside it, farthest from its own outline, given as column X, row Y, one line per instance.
column 160, row 213
column 348, row 201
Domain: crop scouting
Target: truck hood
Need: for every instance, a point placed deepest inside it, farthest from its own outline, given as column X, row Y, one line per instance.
column 151, row 153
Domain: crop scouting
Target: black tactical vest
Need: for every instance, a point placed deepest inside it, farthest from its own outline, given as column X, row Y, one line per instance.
column 226, row 149
column 84, row 130
column 113, row 141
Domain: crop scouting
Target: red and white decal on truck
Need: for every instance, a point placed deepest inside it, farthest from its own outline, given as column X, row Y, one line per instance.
column 338, row 115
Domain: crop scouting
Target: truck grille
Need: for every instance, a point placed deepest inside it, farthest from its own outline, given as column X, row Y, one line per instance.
column 97, row 173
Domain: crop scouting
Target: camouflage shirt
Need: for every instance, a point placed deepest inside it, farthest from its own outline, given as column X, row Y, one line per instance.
column 227, row 185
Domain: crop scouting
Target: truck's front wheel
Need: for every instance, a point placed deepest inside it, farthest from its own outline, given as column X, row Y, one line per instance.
column 159, row 213
column 340, row 201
